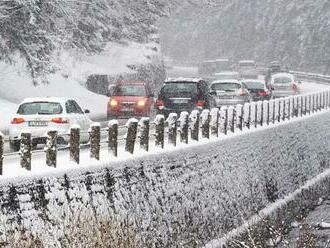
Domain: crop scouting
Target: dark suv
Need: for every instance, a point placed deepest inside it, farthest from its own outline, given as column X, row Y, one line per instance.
column 183, row 94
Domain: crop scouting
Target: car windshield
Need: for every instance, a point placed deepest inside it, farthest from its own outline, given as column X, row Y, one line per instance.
column 225, row 86
column 226, row 76
column 282, row 80
column 40, row 108
column 180, row 88
column 254, row 85
column 130, row 90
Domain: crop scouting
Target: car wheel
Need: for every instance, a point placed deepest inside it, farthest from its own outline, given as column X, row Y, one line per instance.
column 15, row 145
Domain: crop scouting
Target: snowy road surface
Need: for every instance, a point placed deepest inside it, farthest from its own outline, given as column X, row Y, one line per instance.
column 315, row 229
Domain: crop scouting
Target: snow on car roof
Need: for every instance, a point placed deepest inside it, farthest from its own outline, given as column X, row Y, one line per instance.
column 226, row 81
column 253, row 80
column 44, row 99
column 182, row 79
column 226, row 73
column 283, row 74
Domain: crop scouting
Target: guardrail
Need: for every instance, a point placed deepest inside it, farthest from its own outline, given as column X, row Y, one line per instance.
column 206, row 124
column 312, row 76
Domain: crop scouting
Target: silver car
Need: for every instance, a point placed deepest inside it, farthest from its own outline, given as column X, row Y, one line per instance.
column 229, row 92
column 284, row 84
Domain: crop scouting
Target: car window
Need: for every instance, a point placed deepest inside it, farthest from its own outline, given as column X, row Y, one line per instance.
column 254, row 85
column 41, row 108
column 72, row 107
column 178, row 88
column 225, row 86
column 130, row 90
column 282, row 80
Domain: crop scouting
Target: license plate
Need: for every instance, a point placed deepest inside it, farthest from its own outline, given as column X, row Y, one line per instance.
column 126, row 110
column 38, row 123
column 180, row 101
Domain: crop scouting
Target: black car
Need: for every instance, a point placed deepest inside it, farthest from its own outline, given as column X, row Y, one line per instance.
column 258, row 89
column 183, row 94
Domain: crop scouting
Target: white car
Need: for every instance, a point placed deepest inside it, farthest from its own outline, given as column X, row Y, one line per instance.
column 40, row 115
column 248, row 69
column 284, row 84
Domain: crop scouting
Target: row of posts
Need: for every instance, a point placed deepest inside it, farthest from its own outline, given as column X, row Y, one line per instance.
column 212, row 123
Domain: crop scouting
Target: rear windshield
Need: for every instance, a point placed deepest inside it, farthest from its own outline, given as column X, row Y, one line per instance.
column 180, row 89
column 226, row 76
column 255, row 85
column 130, row 90
column 282, row 80
column 40, row 108
column 225, row 87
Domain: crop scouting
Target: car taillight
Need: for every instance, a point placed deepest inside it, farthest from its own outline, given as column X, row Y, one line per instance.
column 160, row 104
column 59, row 121
column 200, row 103
column 17, row 121
column 242, row 92
column 294, row 87
column 262, row 93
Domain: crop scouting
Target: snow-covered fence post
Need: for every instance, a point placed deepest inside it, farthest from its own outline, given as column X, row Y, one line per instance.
column 300, row 105
column 303, row 105
column 194, row 124
column 277, row 110
column 159, row 131
column 313, row 105
column 309, row 104
column 239, row 117
column 231, row 119
column 2, row 137
column 51, row 148
column 113, row 137
column 75, row 143
column 205, row 119
column 320, row 101
column 254, row 113
column 287, row 108
column 272, row 111
column 172, row 128
column 265, row 112
column 184, row 127
column 95, row 139
column 144, row 126
column 260, row 110
column 317, row 101
column 291, row 106
column 327, row 100
column 25, row 150
column 282, row 109
column 223, row 121
column 247, row 115
column 214, row 123
column 132, row 125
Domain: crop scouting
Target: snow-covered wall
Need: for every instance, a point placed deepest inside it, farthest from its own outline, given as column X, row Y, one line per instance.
column 181, row 198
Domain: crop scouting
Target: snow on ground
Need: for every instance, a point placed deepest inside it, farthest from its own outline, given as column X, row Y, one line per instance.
column 15, row 83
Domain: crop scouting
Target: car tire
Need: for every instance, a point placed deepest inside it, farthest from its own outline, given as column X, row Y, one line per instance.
column 15, row 145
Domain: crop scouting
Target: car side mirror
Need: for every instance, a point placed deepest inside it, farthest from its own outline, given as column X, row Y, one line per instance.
column 87, row 111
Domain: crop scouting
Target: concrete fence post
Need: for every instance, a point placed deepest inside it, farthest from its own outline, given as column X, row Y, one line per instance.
column 327, row 99
column 206, row 119
column 95, row 140
column 159, row 131
column 172, row 128
column 318, row 100
column 51, row 148
column 194, row 125
column 295, row 106
column 223, row 121
column 75, row 144
column 260, row 111
column 291, row 106
column 266, row 112
column 277, row 110
column 300, row 106
column 303, row 105
column 309, row 104
column 113, row 137
column 132, row 125
column 313, row 103
column 2, row 142
column 239, row 116
column 282, row 109
column 254, row 114
column 231, row 119
column 214, row 122
column 184, row 127
column 247, row 115
column 25, row 151
column 144, row 127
